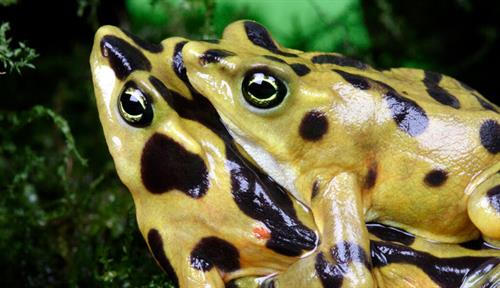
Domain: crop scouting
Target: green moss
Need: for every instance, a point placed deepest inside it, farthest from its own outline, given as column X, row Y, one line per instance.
column 13, row 59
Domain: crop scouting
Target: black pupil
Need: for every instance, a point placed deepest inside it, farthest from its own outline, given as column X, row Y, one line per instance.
column 135, row 106
column 262, row 90
column 132, row 105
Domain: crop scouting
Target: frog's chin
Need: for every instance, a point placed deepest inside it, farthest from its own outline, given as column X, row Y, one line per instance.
column 280, row 172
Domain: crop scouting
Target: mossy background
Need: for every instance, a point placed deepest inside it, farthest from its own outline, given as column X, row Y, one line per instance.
column 65, row 218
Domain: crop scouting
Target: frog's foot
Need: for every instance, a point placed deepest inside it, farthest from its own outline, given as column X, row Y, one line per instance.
column 344, row 253
column 342, row 259
column 344, row 265
column 487, row 275
column 484, row 209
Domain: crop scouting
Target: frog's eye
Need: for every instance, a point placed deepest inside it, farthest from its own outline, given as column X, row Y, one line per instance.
column 135, row 106
column 263, row 90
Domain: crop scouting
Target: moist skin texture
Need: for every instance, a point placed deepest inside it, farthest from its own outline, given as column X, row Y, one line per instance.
column 355, row 177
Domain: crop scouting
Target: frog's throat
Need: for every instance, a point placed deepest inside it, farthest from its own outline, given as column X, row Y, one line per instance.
column 280, row 172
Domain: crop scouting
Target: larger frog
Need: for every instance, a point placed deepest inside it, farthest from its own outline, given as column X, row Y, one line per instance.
column 339, row 135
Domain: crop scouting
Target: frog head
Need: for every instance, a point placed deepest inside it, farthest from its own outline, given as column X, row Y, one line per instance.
column 189, row 180
column 274, row 101
column 133, row 112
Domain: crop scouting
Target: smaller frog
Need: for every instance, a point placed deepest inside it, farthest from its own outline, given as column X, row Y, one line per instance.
column 205, row 203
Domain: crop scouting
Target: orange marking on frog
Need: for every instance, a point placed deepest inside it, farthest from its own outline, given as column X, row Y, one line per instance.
column 261, row 232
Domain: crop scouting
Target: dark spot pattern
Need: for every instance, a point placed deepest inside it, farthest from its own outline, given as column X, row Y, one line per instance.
column 255, row 193
column 200, row 110
column 388, row 233
column 431, row 82
column 214, row 56
column 274, row 58
column 260, row 198
column 436, row 178
column 479, row 98
column 151, row 47
column 494, row 197
column 409, row 117
column 313, row 126
column 270, row 284
column 259, row 36
column 446, row 272
column 371, row 176
column 166, row 165
column 155, row 243
column 315, row 189
column 329, row 274
column 432, row 78
column 178, row 63
column 484, row 103
column 123, row 57
column 344, row 253
column 489, row 133
column 213, row 251
column 338, row 60
column 477, row 244
column 357, row 81
column 300, row 69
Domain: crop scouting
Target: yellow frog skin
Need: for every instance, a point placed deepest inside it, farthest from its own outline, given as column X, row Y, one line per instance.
column 407, row 148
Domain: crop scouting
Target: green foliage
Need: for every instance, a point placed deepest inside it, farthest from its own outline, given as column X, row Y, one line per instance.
column 13, row 59
column 7, row 2
column 60, row 224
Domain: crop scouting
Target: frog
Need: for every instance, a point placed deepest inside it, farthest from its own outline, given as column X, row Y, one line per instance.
column 210, row 208
column 207, row 214
column 410, row 148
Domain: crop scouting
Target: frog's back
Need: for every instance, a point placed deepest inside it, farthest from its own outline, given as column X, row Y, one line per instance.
column 446, row 142
column 418, row 140
column 437, row 88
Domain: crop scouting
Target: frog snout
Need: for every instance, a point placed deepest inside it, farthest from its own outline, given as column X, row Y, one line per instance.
column 101, row 44
column 112, row 46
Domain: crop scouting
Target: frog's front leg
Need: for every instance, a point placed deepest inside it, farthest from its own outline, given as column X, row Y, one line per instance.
column 179, row 265
column 343, row 257
column 484, row 209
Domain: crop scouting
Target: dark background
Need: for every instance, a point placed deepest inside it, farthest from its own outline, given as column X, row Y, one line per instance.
column 65, row 219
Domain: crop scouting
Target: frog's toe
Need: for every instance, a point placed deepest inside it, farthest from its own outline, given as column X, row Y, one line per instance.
column 486, row 275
